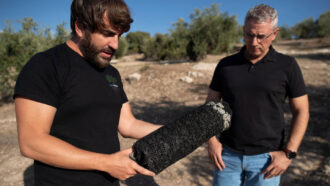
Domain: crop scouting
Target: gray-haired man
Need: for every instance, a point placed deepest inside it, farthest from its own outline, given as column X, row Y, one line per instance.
column 255, row 82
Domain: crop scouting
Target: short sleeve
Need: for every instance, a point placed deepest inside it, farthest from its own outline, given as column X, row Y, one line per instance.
column 38, row 81
column 216, row 79
column 120, row 84
column 296, row 85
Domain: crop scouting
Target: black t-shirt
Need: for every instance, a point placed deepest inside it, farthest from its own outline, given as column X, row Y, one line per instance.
column 88, row 102
column 256, row 93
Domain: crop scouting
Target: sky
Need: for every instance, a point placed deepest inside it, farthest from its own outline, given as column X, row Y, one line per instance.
column 157, row 16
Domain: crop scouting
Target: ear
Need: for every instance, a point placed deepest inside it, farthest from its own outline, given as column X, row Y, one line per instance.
column 275, row 33
column 78, row 28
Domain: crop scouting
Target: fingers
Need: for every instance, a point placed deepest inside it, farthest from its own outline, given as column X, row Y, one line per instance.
column 279, row 163
column 270, row 174
column 119, row 165
column 128, row 174
column 137, row 168
column 272, row 171
column 217, row 161
column 143, row 171
column 214, row 151
column 127, row 151
column 219, row 158
column 133, row 170
column 268, row 169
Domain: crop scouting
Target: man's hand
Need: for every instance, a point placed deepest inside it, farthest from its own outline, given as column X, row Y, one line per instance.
column 130, row 127
column 278, row 165
column 120, row 166
column 214, row 146
column 215, row 150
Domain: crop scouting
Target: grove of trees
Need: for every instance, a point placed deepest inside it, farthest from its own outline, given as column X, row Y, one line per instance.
column 209, row 31
column 16, row 48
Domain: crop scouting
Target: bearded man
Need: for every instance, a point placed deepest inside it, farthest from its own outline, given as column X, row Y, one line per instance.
column 70, row 103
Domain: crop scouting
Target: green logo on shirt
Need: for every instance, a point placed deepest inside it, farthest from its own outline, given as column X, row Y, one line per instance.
column 111, row 80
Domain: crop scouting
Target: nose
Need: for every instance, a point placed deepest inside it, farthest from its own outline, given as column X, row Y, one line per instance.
column 254, row 41
column 114, row 42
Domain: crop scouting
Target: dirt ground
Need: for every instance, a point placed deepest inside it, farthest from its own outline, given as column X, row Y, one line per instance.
column 160, row 96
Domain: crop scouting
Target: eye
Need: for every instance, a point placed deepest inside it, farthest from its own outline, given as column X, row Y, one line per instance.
column 249, row 35
column 108, row 34
column 261, row 36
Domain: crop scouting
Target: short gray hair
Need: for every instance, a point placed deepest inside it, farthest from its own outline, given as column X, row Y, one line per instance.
column 262, row 13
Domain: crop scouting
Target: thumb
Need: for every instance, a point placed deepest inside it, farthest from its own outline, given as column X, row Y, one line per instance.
column 127, row 151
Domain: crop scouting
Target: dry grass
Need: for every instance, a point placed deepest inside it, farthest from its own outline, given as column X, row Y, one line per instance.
column 160, row 97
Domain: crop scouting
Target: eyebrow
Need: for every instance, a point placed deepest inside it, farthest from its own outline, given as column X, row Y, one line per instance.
column 255, row 34
column 108, row 31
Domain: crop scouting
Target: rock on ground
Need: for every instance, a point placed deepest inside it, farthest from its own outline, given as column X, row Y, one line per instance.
column 160, row 97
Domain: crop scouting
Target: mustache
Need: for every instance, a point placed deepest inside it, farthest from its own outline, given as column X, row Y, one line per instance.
column 108, row 50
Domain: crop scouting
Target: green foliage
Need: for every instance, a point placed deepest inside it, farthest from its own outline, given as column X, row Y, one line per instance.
column 17, row 48
column 62, row 34
column 323, row 25
column 122, row 48
column 284, row 33
column 305, row 29
column 311, row 29
column 209, row 32
column 136, row 41
column 180, row 37
column 212, row 32
column 157, row 47
column 28, row 25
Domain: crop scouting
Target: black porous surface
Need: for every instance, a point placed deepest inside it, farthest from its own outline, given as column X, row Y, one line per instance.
column 174, row 141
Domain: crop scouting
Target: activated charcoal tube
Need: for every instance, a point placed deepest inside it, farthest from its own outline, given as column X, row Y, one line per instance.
column 174, row 141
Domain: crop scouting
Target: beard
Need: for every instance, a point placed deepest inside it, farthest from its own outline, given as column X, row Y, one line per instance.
column 91, row 52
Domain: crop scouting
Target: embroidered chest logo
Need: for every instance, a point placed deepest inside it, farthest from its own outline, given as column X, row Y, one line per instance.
column 111, row 80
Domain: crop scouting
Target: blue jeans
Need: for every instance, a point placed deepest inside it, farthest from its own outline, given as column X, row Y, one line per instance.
column 243, row 170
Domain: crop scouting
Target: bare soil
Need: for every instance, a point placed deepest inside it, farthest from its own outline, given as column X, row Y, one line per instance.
column 160, row 96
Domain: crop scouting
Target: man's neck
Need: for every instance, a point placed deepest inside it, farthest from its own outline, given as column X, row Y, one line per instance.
column 73, row 43
column 254, row 59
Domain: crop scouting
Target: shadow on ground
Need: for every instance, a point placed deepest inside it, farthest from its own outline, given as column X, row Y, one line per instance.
column 314, row 147
column 310, row 168
column 5, row 100
column 318, row 56
column 163, row 112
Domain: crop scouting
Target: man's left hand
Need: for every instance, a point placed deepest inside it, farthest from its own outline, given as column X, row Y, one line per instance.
column 278, row 165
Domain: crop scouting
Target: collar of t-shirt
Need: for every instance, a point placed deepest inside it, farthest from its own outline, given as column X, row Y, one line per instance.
column 269, row 57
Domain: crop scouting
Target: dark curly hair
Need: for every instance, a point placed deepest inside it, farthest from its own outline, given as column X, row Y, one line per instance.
column 90, row 15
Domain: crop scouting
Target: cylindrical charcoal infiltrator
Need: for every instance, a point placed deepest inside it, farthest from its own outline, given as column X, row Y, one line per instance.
column 174, row 141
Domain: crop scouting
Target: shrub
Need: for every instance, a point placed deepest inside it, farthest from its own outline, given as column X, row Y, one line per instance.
column 18, row 47
column 122, row 48
column 323, row 25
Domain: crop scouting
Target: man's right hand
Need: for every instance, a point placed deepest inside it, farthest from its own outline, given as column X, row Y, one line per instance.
column 34, row 121
column 120, row 166
column 215, row 150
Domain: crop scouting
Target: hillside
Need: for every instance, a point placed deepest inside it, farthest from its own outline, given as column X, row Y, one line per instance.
column 163, row 93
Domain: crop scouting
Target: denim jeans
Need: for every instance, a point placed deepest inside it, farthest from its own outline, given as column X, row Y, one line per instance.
column 243, row 170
